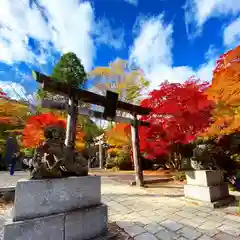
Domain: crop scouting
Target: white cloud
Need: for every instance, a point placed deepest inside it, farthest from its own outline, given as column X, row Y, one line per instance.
column 70, row 26
column 199, row 11
column 152, row 51
column 112, row 37
column 153, row 35
column 133, row 2
column 231, row 35
column 14, row 90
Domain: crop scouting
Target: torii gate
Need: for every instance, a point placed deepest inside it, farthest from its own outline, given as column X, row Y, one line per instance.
column 110, row 103
column 99, row 142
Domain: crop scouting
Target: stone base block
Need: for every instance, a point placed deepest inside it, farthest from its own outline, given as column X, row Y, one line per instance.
column 39, row 198
column 85, row 223
column 204, row 177
column 220, row 203
column 48, row 228
column 207, row 194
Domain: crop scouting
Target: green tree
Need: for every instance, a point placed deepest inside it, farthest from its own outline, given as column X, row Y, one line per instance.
column 90, row 128
column 69, row 70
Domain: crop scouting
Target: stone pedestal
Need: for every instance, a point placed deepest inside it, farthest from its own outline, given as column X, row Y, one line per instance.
column 207, row 187
column 62, row 209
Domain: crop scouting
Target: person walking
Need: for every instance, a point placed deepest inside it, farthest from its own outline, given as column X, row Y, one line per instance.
column 12, row 152
column 15, row 158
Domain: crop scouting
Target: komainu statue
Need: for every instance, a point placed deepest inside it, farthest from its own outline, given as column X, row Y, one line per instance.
column 202, row 159
column 53, row 159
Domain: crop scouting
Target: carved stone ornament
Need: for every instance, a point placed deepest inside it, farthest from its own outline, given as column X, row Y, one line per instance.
column 53, row 159
column 201, row 159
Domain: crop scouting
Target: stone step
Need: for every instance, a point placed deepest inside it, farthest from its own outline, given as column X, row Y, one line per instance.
column 208, row 194
column 85, row 223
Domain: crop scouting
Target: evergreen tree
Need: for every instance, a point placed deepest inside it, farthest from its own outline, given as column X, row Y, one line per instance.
column 70, row 70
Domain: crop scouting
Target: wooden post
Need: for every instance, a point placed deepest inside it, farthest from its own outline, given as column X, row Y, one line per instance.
column 71, row 123
column 100, row 154
column 136, row 153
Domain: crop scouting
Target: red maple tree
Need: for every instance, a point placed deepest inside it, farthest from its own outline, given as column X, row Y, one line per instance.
column 33, row 133
column 3, row 94
column 179, row 113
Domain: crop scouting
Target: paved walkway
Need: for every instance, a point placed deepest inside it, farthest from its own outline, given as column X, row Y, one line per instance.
column 145, row 214
column 148, row 216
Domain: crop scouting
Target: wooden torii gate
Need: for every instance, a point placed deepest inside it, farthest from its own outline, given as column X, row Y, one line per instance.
column 110, row 103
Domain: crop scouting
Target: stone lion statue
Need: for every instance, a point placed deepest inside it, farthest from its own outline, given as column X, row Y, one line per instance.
column 53, row 159
column 201, row 159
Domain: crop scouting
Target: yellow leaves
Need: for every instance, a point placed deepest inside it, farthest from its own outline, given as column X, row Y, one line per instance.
column 79, row 143
column 118, row 135
column 13, row 112
column 100, row 71
column 114, row 150
column 34, row 75
column 119, row 78
column 12, row 108
column 115, row 68
column 118, row 66
column 80, row 146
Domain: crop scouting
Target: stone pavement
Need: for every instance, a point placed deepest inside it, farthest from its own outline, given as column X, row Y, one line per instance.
column 145, row 215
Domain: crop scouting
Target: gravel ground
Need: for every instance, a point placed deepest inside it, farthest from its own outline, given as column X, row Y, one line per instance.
column 120, row 233
column 4, row 207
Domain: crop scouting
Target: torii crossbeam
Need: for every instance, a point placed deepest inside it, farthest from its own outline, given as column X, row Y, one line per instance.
column 110, row 103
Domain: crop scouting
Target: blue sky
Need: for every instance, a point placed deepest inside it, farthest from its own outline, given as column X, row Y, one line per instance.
column 168, row 39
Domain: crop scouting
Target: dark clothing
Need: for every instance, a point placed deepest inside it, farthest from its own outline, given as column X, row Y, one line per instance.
column 92, row 163
column 13, row 163
column 11, row 148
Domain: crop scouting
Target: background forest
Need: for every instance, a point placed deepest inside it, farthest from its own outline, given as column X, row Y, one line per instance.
column 184, row 116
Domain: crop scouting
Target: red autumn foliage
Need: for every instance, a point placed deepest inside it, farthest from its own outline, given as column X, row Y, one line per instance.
column 3, row 94
column 33, row 133
column 179, row 113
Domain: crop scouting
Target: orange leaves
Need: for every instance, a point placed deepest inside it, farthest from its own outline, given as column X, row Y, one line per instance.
column 33, row 133
column 79, row 143
column 47, row 119
column 225, row 91
column 119, row 134
column 226, row 78
column 9, row 120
